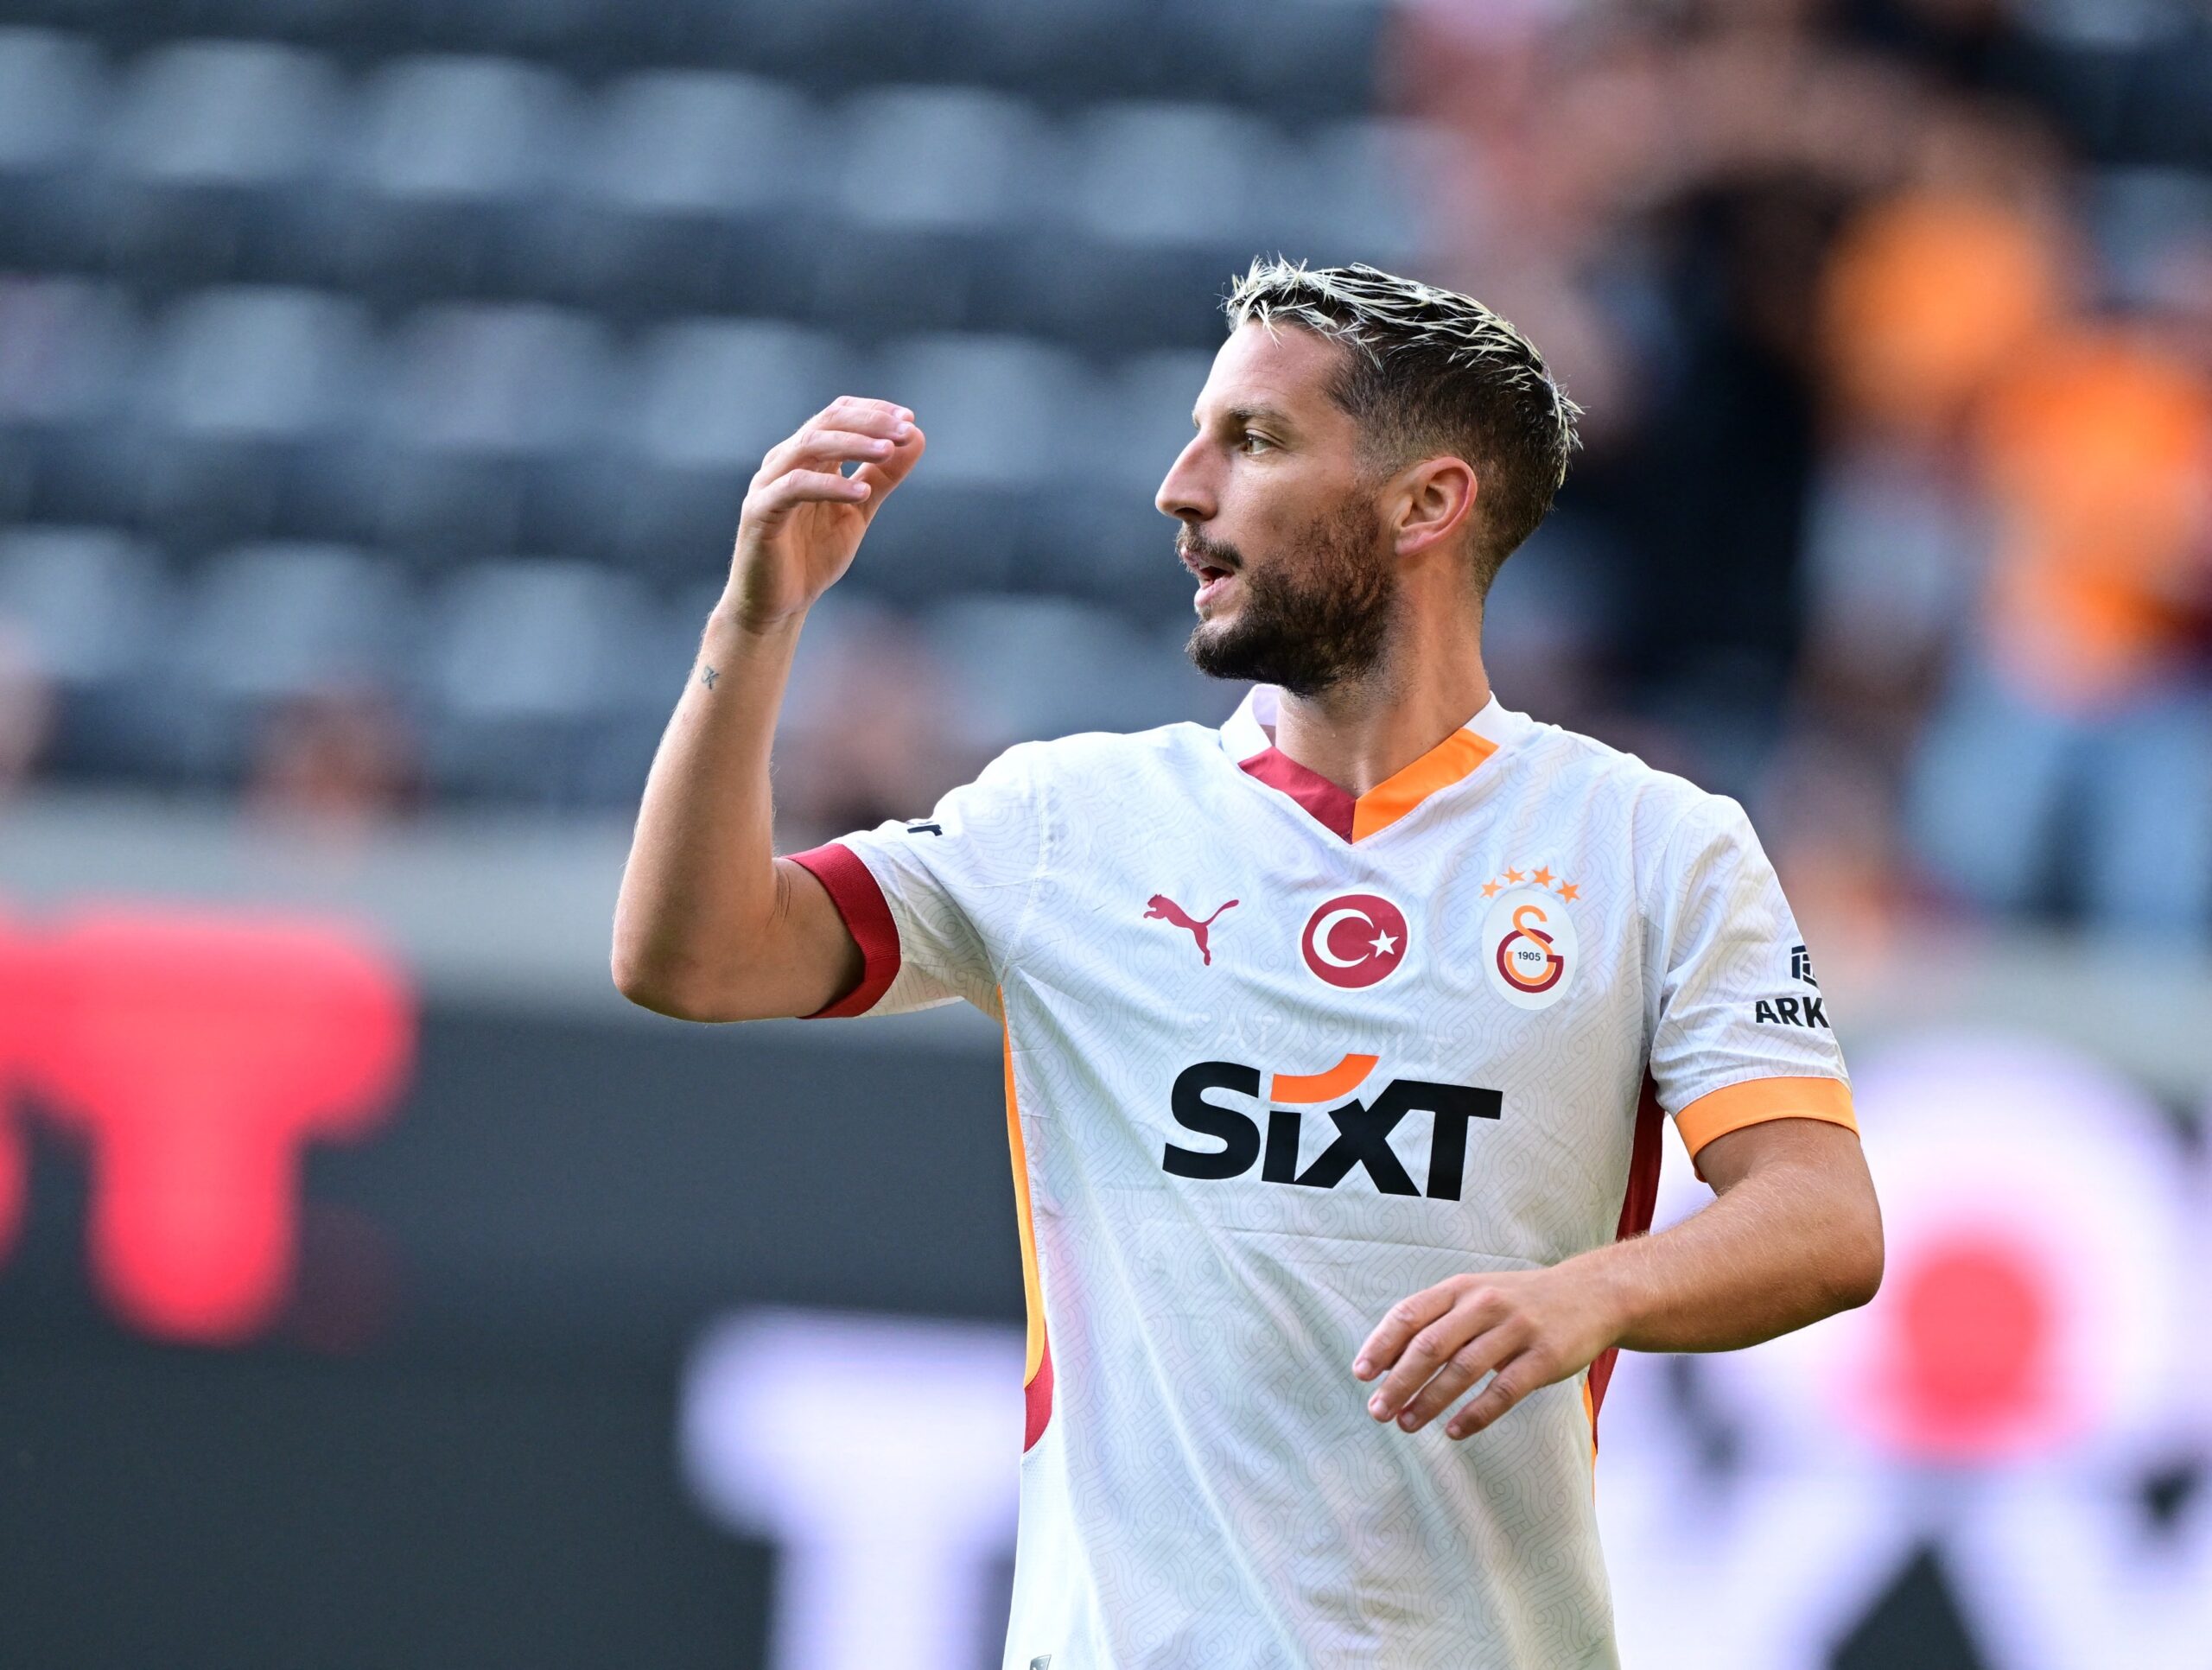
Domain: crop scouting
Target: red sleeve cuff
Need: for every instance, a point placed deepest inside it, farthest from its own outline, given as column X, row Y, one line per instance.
column 860, row 900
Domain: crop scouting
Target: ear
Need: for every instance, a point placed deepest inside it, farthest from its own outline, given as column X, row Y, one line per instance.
column 1434, row 502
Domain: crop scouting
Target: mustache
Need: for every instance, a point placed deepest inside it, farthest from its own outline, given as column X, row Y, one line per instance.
column 1196, row 550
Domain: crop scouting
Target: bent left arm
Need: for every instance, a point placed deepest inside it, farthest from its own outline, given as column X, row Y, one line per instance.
column 1795, row 1236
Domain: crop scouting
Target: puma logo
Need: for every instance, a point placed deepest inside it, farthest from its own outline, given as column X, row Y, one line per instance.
column 1161, row 908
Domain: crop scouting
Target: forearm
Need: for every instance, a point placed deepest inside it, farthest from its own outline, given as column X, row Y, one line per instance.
column 1785, row 1245
column 1795, row 1235
column 701, row 881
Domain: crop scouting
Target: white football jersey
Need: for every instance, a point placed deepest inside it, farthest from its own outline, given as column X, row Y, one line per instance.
column 1278, row 1057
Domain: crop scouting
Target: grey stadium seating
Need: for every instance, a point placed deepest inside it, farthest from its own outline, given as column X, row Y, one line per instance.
column 312, row 311
column 244, row 388
column 691, row 190
column 211, row 164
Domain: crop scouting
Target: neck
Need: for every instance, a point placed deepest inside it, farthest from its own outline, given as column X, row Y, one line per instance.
column 1361, row 731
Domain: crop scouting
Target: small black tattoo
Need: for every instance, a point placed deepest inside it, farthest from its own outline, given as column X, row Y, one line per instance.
column 707, row 676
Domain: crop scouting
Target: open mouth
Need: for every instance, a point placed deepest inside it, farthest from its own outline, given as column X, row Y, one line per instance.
column 1209, row 576
column 1212, row 580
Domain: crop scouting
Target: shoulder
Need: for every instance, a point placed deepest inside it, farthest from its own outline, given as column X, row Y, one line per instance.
column 1600, row 769
column 1665, row 818
column 1098, row 759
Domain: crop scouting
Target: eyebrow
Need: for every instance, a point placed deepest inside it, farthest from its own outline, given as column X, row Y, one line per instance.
column 1270, row 414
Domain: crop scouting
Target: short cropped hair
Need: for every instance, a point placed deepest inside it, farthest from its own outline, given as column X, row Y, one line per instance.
column 1429, row 371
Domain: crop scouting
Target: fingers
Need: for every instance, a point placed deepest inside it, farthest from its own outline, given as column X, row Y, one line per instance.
column 1514, row 1380
column 1522, row 1329
column 824, row 449
column 1399, row 1325
column 1461, row 1369
column 862, row 416
column 877, row 436
column 848, row 415
column 778, row 498
column 884, row 474
column 1469, row 1312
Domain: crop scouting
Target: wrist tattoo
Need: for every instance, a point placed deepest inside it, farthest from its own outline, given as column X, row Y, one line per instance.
column 707, row 676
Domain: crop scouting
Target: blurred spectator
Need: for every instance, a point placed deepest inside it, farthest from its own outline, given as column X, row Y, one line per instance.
column 867, row 732
column 2074, row 751
column 26, row 706
column 333, row 762
column 1814, row 269
column 1925, row 298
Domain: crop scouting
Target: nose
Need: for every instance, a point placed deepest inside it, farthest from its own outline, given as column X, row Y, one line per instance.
column 1186, row 494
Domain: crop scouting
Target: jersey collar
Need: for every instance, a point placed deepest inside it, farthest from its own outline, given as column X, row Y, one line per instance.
column 1248, row 739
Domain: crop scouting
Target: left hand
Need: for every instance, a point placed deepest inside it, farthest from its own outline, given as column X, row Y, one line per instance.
column 1532, row 1327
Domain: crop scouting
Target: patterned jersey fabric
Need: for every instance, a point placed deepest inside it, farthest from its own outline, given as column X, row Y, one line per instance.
column 1278, row 1057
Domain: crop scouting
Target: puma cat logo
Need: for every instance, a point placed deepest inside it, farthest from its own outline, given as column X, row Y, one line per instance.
column 1161, row 908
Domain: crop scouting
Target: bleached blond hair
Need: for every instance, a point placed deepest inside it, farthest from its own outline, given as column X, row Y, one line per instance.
column 1429, row 370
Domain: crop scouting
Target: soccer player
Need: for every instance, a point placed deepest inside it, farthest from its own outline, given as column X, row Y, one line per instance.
column 1337, row 1039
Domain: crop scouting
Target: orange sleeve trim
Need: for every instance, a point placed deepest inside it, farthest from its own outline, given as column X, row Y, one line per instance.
column 1758, row 1100
column 1340, row 1080
column 1455, row 757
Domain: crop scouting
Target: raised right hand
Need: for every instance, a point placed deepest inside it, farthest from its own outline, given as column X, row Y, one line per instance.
column 803, row 517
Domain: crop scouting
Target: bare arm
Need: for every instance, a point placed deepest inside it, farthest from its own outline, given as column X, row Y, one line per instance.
column 1795, row 1235
column 709, row 925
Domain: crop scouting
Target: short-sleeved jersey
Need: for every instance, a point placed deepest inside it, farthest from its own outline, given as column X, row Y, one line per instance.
column 1277, row 1057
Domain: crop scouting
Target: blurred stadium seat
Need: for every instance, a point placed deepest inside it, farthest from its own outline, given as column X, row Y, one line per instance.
column 1104, row 537
column 1312, row 56
column 52, row 96
column 484, row 413
column 1004, row 417
column 691, row 190
column 1358, row 194
column 1057, row 50
column 829, row 43
column 267, row 624
column 244, row 387
column 708, row 398
column 449, row 156
column 1030, row 667
column 535, row 678
column 938, row 192
column 94, row 606
column 67, row 350
column 208, row 166
column 1164, row 202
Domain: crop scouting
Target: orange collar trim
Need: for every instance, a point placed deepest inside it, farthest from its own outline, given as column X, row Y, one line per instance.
column 1447, row 763
column 1355, row 818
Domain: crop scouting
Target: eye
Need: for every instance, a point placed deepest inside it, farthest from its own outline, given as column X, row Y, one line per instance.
column 1248, row 440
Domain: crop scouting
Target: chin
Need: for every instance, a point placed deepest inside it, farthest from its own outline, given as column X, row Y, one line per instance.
column 1214, row 627
column 1212, row 649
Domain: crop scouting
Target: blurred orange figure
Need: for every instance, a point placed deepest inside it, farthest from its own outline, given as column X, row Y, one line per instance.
column 2098, row 455
column 1927, row 298
column 2075, row 748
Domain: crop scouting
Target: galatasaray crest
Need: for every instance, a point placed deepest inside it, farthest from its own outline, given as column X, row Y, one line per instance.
column 1530, row 951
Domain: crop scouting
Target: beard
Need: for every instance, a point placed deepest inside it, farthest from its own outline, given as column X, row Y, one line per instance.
column 1313, row 617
